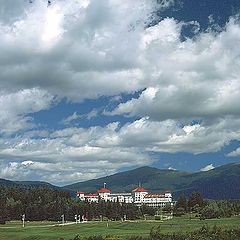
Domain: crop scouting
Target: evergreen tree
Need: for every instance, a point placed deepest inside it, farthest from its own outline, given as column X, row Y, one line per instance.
column 195, row 200
column 181, row 202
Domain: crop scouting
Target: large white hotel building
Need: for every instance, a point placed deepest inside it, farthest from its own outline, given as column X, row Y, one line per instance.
column 139, row 196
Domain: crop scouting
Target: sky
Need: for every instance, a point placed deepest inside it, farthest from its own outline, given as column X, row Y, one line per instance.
column 89, row 88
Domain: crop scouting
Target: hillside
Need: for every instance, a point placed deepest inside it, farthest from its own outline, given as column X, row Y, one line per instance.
column 8, row 183
column 125, row 181
column 219, row 183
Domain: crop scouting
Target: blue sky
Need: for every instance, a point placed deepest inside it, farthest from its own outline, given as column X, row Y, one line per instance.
column 89, row 88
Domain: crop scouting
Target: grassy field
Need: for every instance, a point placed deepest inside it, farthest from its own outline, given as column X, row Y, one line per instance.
column 46, row 230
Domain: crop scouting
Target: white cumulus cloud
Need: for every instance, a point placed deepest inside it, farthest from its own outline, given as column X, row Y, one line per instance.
column 86, row 49
column 16, row 106
column 207, row 168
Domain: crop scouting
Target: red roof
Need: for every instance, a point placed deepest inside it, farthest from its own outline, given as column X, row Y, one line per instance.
column 104, row 190
column 80, row 193
column 139, row 189
column 91, row 195
column 154, row 195
column 168, row 191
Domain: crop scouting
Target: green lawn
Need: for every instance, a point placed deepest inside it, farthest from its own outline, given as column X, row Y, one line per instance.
column 39, row 230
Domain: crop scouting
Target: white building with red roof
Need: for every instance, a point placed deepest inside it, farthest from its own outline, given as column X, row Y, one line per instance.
column 158, row 199
column 91, row 197
column 104, row 194
column 88, row 197
column 139, row 196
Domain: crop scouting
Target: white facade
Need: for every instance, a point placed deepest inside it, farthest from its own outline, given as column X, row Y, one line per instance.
column 81, row 195
column 157, row 200
column 104, row 195
column 121, row 197
column 139, row 196
column 91, row 198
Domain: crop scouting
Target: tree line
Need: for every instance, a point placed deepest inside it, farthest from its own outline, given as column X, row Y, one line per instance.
column 206, row 209
column 40, row 204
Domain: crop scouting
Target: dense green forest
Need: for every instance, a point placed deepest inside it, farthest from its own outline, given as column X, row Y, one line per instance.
column 49, row 204
column 206, row 209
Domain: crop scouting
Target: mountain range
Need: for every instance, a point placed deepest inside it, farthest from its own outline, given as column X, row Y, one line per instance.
column 220, row 183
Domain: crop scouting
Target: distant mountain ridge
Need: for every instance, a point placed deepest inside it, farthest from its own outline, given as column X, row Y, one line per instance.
column 8, row 183
column 220, row 183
